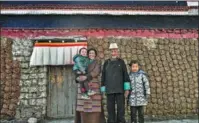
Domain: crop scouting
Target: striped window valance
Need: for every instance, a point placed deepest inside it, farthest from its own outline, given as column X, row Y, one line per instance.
column 55, row 53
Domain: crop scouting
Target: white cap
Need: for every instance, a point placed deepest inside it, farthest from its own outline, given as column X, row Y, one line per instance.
column 113, row 46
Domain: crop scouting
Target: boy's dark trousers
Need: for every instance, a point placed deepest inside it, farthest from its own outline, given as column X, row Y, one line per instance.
column 85, row 86
column 119, row 99
column 134, row 110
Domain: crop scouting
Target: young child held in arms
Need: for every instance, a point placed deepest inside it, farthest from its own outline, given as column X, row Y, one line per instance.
column 81, row 62
column 140, row 92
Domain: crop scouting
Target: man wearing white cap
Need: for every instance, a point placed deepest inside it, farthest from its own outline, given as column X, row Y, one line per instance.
column 115, row 83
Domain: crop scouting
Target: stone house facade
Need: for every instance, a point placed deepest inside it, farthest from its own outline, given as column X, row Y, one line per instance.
column 168, row 52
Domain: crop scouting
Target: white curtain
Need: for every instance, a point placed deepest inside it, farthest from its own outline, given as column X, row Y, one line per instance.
column 61, row 55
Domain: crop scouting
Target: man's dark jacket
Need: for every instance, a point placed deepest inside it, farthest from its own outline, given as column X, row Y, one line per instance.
column 114, row 74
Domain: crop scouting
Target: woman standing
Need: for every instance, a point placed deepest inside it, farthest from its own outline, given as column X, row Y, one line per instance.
column 90, row 110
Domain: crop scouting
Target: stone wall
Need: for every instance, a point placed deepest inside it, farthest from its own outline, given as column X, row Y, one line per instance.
column 172, row 66
column 33, row 82
column 9, row 80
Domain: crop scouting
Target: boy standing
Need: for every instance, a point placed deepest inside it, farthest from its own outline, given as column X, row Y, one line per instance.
column 140, row 92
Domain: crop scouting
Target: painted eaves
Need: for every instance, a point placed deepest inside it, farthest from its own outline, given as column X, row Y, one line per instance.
column 189, row 9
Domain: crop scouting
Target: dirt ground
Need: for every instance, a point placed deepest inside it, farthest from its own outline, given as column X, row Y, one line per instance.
column 169, row 121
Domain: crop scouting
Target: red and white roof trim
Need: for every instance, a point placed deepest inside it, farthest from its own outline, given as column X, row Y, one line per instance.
column 59, row 9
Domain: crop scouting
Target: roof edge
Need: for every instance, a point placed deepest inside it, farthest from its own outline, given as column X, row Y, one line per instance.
column 95, row 12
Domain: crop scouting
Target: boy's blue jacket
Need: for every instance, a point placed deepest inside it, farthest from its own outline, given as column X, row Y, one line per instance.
column 140, row 88
column 80, row 63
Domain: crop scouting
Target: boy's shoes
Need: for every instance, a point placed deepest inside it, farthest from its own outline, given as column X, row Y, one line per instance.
column 83, row 72
column 91, row 92
column 78, row 79
column 85, row 96
column 78, row 72
column 81, row 79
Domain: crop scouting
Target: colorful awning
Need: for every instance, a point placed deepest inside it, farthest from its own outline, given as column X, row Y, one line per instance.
column 55, row 53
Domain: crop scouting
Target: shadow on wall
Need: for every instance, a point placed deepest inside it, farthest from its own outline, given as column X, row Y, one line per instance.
column 172, row 66
column 10, row 78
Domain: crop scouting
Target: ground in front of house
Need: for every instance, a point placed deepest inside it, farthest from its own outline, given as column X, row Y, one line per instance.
column 168, row 121
column 72, row 121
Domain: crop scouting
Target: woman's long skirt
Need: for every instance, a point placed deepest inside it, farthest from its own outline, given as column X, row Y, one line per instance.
column 94, row 117
column 90, row 111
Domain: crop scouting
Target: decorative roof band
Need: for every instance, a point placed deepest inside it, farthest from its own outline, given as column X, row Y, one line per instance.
column 91, row 12
column 94, row 7
column 155, row 33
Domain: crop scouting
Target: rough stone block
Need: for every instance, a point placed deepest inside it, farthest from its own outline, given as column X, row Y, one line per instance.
column 32, row 102
column 42, row 81
column 24, row 76
column 24, row 102
column 41, row 102
column 42, row 94
column 33, row 89
column 27, row 83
